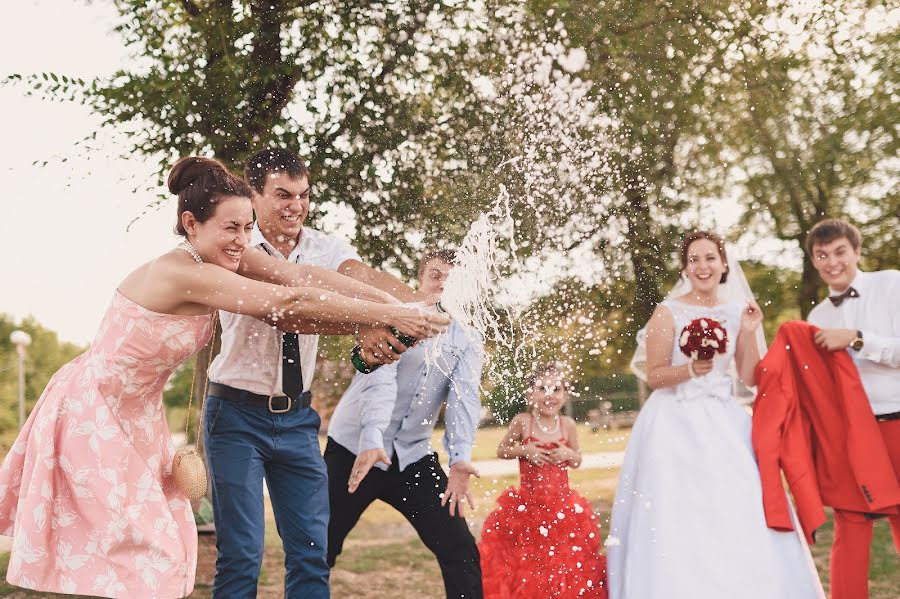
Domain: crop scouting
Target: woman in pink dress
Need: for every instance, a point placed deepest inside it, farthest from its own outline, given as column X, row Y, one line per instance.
column 543, row 540
column 86, row 491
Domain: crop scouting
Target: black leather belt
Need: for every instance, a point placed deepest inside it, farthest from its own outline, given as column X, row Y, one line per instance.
column 886, row 417
column 277, row 404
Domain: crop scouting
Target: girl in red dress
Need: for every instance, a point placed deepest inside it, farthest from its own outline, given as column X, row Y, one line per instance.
column 543, row 540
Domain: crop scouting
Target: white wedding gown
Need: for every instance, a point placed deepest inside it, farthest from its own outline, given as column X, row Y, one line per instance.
column 688, row 519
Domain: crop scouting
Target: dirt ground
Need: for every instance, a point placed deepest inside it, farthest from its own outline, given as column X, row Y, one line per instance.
column 390, row 567
column 383, row 557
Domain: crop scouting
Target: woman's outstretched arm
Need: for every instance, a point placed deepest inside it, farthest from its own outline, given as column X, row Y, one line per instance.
column 295, row 309
column 258, row 265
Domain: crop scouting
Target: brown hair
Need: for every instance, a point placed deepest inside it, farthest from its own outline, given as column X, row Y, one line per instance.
column 832, row 229
column 541, row 370
column 696, row 236
column 273, row 160
column 199, row 184
column 448, row 256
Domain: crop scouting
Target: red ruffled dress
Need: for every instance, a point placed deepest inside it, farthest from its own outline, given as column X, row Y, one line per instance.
column 543, row 540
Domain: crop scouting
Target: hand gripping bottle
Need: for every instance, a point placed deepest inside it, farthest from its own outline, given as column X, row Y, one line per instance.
column 356, row 353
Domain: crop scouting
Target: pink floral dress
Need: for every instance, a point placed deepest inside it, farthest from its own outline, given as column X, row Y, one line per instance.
column 86, row 490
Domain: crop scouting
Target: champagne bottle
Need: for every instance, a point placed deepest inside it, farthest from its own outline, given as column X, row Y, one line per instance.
column 363, row 367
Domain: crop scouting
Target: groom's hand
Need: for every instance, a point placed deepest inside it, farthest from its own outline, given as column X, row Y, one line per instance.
column 835, row 339
column 458, row 488
column 363, row 463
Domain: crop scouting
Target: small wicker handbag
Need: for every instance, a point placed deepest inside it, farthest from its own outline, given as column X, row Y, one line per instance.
column 188, row 466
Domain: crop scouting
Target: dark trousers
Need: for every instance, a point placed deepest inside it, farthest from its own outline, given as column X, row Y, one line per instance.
column 244, row 445
column 415, row 492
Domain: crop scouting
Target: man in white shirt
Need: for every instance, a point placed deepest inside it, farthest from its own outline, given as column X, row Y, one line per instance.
column 386, row 419
column 861, row 315
column 258, row 421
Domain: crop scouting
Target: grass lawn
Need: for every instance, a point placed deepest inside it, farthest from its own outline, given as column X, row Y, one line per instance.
column 488, row 438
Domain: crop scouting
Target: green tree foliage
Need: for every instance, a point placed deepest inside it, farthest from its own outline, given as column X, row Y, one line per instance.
column 796, row 104
column 45, row 356
column 812, row 119
column 661, row 65
column 405, row 110
column 178, row 389
column 776, row 291
column 366, row 90
column 417, row 115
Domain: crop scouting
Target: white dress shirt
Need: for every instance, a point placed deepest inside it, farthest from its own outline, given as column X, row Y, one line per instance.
column 396, row 406
column 250, row 358
column 876, row 313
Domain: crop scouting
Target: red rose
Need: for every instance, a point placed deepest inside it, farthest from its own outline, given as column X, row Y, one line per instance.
column 703, row 338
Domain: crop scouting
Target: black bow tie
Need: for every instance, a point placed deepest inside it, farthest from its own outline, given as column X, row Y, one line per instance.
column 837, row 300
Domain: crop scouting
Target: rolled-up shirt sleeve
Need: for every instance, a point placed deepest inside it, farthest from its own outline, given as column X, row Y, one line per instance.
column 464, row 404
column 376, row 405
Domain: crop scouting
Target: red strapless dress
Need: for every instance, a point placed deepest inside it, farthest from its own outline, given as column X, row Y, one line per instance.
column 543, row 540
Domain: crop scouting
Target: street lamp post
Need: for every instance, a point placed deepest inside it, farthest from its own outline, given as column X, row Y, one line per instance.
column 21, row 340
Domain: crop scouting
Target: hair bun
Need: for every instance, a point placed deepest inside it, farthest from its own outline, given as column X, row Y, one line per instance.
column 189, row 169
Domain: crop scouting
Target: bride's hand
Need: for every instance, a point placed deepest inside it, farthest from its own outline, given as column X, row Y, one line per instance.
column 413, row 321
column 701, row 367
column 751, row 317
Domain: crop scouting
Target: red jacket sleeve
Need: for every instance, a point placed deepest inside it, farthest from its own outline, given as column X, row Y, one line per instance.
column 769, row 415
column 787, row 380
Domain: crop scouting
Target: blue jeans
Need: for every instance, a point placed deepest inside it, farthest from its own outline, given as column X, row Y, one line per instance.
column 245, row 444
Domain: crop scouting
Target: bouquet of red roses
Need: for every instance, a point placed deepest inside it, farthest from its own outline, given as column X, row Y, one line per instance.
column 703, row 338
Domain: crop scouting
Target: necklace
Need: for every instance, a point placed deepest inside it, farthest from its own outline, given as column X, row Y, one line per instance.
column 549, row 430
column 186, row 246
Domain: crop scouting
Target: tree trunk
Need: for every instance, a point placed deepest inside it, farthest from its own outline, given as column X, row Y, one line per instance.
column 809, row 287
column 647, row 260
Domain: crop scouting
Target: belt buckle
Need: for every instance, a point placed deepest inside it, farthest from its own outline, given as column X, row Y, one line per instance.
column 284, row 411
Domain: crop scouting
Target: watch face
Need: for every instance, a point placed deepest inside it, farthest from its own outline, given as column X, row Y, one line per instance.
column 857, row 344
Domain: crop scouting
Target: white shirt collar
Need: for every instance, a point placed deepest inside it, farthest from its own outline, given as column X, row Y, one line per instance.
column 257, row 239
column 856, row 283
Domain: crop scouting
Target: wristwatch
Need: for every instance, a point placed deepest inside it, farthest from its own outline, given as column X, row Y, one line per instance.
column 857, row 344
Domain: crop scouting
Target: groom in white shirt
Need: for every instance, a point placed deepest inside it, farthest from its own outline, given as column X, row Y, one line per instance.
column 861, row 315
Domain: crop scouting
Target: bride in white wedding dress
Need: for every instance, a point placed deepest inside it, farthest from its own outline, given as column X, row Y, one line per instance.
column 688, row 519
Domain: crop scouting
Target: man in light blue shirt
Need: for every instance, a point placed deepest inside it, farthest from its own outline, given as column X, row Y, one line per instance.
column 386, row 419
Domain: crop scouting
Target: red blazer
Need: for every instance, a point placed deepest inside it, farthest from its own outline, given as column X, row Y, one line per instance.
column 812, row 420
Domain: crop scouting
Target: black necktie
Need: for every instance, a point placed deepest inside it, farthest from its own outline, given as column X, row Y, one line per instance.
column 291, row 374
column 837, row 300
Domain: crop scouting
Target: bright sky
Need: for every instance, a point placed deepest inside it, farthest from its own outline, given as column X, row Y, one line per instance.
column 66, row 246
column 66, row 241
